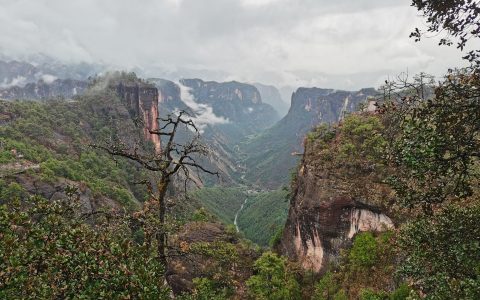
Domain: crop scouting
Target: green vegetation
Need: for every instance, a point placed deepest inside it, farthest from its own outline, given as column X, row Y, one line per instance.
column 434, row 142
column 364, row 251
column 352, row 145
column 55, row 135
column 326, row 288
column 443, row 254
column 366, row 271
column 417, row 158
column 49, row 252
column 268, row 152
column 223, row 202
column 273, row 280
column 264, row 215
column 207, row 289
column 424, row 145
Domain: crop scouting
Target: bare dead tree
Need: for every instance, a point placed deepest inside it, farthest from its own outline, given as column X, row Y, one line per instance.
column 172, row 159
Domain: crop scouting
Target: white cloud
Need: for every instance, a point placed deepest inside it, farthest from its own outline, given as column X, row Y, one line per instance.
column 17, row 81
column 47, row 78
column 204, row 114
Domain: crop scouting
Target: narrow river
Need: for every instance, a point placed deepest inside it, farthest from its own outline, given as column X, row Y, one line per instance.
column 236, row 215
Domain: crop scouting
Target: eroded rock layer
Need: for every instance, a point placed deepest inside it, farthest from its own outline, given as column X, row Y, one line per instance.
column 142, row 102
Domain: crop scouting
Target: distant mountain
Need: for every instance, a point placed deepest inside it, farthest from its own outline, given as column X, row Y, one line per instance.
column 44, row 78
column 271, row 95
column 15, row 73
column 19, row 73
column 286, row 93
column 65, row 88
column 270, row 155
column 237, row 108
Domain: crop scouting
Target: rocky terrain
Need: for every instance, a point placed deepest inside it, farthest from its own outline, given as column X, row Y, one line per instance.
column 238, row 107
column 142, row 102
column 225, row 112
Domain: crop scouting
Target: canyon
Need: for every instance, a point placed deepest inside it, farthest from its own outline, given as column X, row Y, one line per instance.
column 250, row 144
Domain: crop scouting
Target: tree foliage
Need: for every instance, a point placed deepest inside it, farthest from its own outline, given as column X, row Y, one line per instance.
column 48, row 251
column 273, row 280
column 459, row 19
column 443, row 254
column 364, row 251
column 435, row 137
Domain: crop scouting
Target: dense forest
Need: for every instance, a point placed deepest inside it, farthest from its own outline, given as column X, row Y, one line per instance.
column 97, row 201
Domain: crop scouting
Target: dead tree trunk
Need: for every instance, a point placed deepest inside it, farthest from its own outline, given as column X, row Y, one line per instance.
column 173, row 158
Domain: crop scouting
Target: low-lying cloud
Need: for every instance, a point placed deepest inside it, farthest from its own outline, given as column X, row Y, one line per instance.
column 17, row 81
column 204, row 114
column 47, row 78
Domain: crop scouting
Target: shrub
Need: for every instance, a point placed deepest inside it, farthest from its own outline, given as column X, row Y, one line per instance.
column 401, row 293
column 340, row 295
column 326, row 288
column 364, row 251
column 48, row 252
column 443, row 254
column 272, row 279
column 275, row 239
column 369, row 294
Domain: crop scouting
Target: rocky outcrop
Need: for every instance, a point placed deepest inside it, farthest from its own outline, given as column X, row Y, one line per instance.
column 225, row 112
column 19, row 73
column 41, row 90
column 142, row 102
column 317, row 230
column 335, row 196
column 169, row 97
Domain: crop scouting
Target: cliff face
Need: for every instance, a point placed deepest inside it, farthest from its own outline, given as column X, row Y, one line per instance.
column 317, row 229
column 336, row 194
column 142, row 102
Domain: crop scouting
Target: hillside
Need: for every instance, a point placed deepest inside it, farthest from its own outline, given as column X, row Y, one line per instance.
column 55, row 136
column 262, row 216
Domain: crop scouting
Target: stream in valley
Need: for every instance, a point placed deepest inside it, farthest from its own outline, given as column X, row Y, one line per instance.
column 238, row 212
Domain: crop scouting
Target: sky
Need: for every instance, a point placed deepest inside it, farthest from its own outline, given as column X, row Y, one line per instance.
column 343, row 44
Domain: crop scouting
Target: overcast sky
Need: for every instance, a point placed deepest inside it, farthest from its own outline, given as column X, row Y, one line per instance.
column 345, row 44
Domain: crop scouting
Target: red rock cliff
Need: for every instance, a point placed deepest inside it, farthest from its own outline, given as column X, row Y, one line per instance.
column 142, row 101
